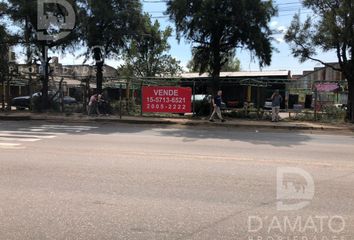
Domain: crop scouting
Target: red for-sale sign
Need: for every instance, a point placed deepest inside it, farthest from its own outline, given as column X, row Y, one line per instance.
column 167, row 99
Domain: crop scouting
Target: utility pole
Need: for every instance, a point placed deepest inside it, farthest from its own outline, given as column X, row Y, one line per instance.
column 8, row 88
column 45, row 76
column 3, row 94
column 29, row 61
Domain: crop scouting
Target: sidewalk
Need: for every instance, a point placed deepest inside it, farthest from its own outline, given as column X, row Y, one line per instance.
column 79, row 118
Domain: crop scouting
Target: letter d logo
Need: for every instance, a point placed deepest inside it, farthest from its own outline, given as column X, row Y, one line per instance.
column 48, row 21
column 294, row 184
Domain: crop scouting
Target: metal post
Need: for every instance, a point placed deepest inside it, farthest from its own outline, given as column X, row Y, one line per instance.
column 120, row 101
column 86, row 95
column 194, row 113
column 61, row 95
column 128, row 96
column 45, row 87
column 258, row 100
column 316, row 96
column 141, row 98
column 8, row 92
column 3, row 95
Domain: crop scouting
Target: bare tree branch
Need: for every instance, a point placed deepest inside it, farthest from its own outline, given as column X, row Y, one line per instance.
column 325, row 64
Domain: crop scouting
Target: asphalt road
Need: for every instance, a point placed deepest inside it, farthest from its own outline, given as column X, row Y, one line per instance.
column 109, row 181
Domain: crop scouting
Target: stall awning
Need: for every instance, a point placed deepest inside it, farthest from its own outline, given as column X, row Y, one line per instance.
column 327, row 87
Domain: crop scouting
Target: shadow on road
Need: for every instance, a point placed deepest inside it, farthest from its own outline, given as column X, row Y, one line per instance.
column 189, row 134
column 276, row 138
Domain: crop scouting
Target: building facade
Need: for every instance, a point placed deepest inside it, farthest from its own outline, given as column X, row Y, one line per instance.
column 324, row 83
column 241, row 88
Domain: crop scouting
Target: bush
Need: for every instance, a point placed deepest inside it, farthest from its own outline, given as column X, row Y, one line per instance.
column 333, row 113
column 241, row 114
column 304, row 116
column 36, row 104
column 127, row 107
column 328, row 114
column 202, row 108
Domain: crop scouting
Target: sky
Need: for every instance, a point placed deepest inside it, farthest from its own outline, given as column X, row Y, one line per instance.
column 282, row 58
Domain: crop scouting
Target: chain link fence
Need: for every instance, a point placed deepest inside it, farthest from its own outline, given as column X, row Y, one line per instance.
column 243, row 97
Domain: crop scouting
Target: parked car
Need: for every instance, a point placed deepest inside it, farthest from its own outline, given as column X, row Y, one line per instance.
column 21, row 102
column 24, row 102
column 207, row 98
column 341, row 106
column 202, row 103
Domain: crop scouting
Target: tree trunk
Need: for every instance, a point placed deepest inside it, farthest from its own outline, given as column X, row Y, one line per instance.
column 99, row 77
column 45, row 79
column 3, row 94
column 29, row 60
column 45, row 97
column 350, row 113
column 216, row 69
column 216, row 81
column 8, row 93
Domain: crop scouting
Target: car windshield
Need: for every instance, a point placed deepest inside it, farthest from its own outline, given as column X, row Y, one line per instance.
column 199, row 97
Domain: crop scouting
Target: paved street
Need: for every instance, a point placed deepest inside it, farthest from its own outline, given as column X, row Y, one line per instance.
column 124, row 181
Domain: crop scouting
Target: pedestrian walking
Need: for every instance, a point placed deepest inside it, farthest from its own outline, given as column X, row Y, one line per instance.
column 217, row 101
column 276, row 102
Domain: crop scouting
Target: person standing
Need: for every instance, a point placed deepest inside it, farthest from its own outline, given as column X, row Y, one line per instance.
column 93, row 105
column 102, row 105
column 276, row 102
column 217, row 100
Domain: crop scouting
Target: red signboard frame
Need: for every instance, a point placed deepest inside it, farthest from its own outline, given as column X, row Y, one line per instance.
column 166, row 99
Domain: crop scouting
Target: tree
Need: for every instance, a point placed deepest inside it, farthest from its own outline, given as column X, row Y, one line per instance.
column 148, row 55
column 3, row 8
column 7, row 40
column 43, row 32
column 218, row 27
column 330, row 29
column 107, row 27
column 4, row 45
column 232, row 65
column 4, row 59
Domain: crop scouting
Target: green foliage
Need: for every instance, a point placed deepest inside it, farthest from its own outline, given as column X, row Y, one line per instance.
column 36, row 104
column 147, row 55
column 241, row 114
column 330, row 114
column 4, row 48
column 128, row 107
column 109, row 24
column 24, row 14
column 330, row 29
column 333, row 113
column 3, row 8
column 6, row 41
column 217, row 27
column 233, row 65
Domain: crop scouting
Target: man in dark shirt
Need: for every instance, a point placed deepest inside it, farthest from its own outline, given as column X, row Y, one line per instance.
column 217, row 100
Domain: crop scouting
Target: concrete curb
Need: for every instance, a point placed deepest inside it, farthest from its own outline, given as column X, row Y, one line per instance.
column 192, row 123
column 260, row 126
column 15, row 118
